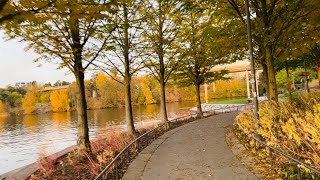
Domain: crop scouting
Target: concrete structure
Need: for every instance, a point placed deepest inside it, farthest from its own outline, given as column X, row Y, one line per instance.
column 55, row 88
column 26, row 171
column 237, row 70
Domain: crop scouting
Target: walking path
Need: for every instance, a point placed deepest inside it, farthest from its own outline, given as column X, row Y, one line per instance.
column 194, row 151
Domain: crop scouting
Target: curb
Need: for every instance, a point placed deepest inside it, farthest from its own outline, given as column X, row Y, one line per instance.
column 26, row 171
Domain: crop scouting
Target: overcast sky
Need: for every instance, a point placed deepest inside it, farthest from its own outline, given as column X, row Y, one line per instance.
column 16, row 65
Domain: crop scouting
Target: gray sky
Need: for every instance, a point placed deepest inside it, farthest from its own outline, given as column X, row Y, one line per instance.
column 16, row 65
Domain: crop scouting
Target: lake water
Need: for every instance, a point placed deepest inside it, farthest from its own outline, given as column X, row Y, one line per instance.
column 23, row 138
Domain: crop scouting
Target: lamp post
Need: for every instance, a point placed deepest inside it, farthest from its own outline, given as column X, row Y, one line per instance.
column 253, row 71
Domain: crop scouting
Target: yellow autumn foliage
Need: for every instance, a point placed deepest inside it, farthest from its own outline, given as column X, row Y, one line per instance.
column 29, row 101
column 147, row 93
column 292, row 126
column 101, row 81
column 2, row 109
column 60, row 101
column 229, row 88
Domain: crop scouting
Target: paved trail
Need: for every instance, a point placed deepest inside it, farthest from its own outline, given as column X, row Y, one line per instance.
column 194, row 151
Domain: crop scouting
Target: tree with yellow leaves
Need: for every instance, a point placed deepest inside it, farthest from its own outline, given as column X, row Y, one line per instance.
column 60, row 101
column 147, row 93
column 101, row 82
column 2, row 109
column 29, row 101
column 73, row 34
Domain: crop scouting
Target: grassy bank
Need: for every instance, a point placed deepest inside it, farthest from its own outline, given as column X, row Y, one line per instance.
column 233, row 101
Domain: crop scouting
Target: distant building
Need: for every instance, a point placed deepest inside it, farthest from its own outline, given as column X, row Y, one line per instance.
column 25, row 84
column 20, row 84
column 238, row 70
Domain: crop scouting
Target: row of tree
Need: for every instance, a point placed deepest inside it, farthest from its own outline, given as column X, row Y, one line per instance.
column 174, row 40
column 282, row 31
column 102, row 91
column 124, row 36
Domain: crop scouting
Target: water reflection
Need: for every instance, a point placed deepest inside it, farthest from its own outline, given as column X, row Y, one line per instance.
column 21, row 137
column 150, row 112
column 3, row 120
column 61, row 120
column 30, row 121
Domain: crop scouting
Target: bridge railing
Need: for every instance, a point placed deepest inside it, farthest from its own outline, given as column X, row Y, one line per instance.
column 114, row 169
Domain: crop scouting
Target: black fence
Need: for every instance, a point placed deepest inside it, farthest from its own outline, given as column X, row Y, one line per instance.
column 116, row 168
column 272, row 150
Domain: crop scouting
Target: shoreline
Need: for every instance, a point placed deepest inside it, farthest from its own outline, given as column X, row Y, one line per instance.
column 26, row 171
column 17, row 111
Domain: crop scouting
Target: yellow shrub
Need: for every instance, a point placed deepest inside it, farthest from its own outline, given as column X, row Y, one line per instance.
column 60, row 101
column 29, row 101
column 291, row 126
column 246, row 122
column 229, row 88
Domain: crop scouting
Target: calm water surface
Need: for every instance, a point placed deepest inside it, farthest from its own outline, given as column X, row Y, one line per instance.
column 23, row 138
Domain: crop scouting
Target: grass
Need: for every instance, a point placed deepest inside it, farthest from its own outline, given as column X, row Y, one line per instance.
column 286, row 95
column 233, row 101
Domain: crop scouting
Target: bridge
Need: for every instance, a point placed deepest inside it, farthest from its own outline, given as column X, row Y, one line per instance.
column 55, row 88
column 237, row 70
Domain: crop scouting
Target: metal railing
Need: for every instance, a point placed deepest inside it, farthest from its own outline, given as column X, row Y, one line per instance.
column 126, row 155
column 273, row 149
column 298, row 162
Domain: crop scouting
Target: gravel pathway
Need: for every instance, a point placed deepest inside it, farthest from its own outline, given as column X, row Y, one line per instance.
column 194, row 151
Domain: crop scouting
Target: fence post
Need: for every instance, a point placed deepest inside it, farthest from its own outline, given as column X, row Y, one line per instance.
column 117, row 170
column 128, row 154
column 138, row 145
column 299, row 172
column 270, row 155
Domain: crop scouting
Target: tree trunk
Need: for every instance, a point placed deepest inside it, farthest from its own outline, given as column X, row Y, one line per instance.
column 83, row 141
column 199, row 108
column 163, row 107
column 160, row 52
column 273, row 91
column 128, row 105
column 127, row 75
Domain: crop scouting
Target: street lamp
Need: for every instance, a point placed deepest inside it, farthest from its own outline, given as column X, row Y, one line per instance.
column 253, row 71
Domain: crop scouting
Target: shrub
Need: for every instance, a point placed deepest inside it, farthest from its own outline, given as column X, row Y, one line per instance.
column 292, row 126
column 229, row 88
